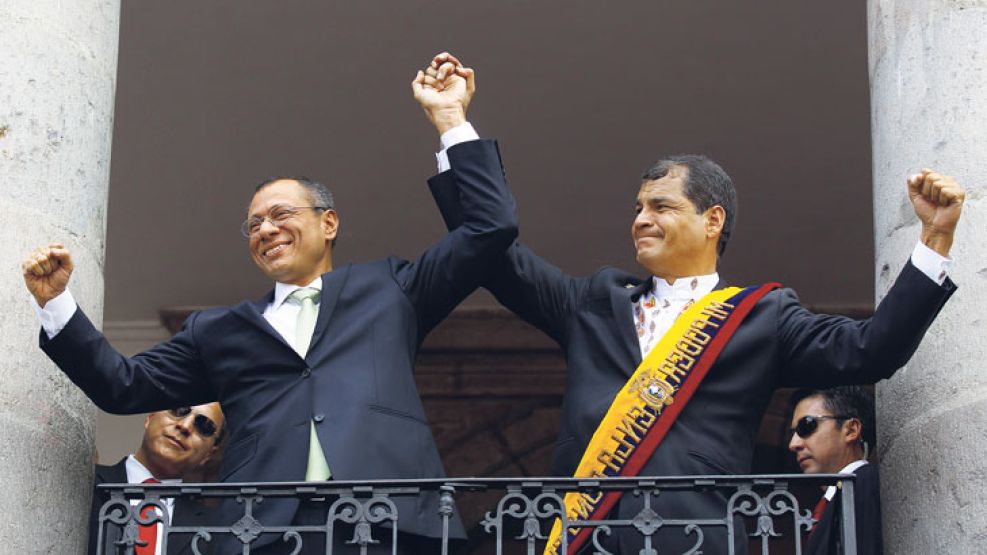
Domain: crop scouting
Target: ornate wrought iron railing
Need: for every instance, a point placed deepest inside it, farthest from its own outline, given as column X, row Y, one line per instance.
column 761, row 512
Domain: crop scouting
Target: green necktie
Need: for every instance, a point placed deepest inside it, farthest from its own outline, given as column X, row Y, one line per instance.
column 317, row 469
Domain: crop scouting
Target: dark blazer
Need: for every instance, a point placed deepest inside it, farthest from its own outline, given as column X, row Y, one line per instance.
column 184, row 513
column 780, row 344
column 825, row 540
column 355, row 382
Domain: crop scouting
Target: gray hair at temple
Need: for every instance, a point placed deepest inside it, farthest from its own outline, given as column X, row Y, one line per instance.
column 321, row 195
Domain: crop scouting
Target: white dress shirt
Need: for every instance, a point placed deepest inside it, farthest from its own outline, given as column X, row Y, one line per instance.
column 656, row 311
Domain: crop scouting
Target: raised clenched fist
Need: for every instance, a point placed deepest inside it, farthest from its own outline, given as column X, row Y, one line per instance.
column 938, row 201
column 47, row 271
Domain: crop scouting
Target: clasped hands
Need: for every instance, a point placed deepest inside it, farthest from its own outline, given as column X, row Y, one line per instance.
column 444, row 90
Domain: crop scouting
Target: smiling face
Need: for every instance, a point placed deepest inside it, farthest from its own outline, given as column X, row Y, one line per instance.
column 173, row 446
column 299, row 248
column 671, row 238
column 831, row 446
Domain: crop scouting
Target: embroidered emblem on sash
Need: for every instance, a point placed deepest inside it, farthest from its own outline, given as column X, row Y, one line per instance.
column 653, row 390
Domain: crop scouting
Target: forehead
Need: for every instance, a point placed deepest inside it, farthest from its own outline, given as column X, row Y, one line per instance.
column 211, row 410
column 814, row 405
column 285, row 191
column 668, row 186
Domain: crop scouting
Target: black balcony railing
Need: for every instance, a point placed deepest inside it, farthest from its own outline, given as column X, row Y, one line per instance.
column 762, row 512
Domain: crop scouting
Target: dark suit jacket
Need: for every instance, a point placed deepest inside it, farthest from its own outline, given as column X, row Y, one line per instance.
column 184, row 513
column 780, row 344
column 825, row 540
column 355, row 382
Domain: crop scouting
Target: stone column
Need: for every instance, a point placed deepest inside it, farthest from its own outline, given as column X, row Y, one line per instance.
column 928, row 69
column 57, row 81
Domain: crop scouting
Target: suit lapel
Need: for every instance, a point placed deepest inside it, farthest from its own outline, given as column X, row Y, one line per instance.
column 116, row 474
column 253, row 313
column 332, row 286
column 622, row 299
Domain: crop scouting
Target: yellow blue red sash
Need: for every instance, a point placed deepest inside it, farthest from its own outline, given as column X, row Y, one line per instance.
column 648, row 404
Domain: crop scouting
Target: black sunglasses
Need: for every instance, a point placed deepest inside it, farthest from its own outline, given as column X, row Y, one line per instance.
column 203, row 425
column 807, row 425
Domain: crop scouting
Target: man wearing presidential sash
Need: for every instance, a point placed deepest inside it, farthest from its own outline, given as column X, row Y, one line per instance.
column 670, row 375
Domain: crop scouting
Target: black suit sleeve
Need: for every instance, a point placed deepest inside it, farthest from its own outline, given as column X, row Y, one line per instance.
column 446, row 196
column 821, row 351
column 453, row 268
column 535, row 290
column 168, row 375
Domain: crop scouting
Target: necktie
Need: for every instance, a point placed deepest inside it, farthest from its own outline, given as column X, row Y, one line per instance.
column 317, row 469
column 817, row 513
column 307, row 298
column 148, row 534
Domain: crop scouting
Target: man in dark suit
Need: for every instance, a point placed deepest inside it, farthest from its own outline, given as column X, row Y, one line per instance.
column 315, row 378
column 607, row 322
column 833, row 430
column 177, row 445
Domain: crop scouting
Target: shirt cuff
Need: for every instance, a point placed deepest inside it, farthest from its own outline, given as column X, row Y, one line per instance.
column 459, row 134
column 56, row 313
column 931, row 263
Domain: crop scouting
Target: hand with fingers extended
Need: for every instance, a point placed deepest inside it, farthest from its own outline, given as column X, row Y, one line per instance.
column 444, row 90
column 47, row 271
column 938, row 201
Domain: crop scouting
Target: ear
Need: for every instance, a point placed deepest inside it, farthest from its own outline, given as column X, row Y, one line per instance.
column 852, row 431
column 716, row 218
column 330, row 224
column 147, row 421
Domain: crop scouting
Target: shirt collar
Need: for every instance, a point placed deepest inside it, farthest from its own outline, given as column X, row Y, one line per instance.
column 691, row 287
column 137, row 473
column 848, row 469
column 282, row 290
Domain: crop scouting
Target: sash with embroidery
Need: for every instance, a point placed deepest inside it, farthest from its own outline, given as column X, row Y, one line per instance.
column 648, row 404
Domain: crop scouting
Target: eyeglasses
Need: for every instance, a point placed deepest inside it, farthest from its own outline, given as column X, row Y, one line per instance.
column 278, row 216
column 807, row 425
column 203, row 425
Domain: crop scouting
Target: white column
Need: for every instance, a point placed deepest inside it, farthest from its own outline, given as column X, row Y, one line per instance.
column 928, row 68
column 57, row 79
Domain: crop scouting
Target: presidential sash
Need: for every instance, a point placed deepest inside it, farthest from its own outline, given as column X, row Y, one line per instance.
column 648, row 404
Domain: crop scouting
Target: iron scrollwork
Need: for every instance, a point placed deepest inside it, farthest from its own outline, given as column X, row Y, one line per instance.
column 759, row 510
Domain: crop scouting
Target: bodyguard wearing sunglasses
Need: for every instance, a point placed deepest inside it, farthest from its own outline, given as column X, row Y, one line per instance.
column 833, row 431
column 177, row 444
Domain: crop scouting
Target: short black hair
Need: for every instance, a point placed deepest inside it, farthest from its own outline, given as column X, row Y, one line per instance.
column 851, row 401
column 320, row 194
column 706, row 185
